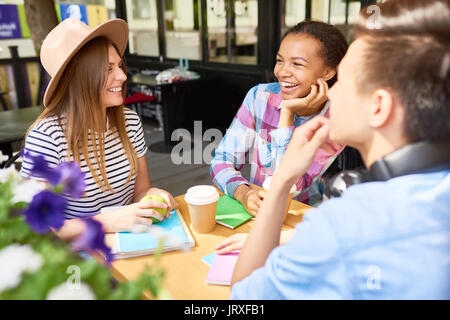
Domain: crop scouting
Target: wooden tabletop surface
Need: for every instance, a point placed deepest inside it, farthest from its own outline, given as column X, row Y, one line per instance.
column 185, row 272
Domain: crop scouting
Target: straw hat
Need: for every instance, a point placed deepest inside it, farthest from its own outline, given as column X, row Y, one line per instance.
column 64, row 41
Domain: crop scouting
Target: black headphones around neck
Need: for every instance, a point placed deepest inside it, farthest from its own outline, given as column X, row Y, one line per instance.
column 418, row 157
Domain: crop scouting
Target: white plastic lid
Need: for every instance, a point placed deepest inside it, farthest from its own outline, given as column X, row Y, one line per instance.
column 201, row 195
column 268, row 181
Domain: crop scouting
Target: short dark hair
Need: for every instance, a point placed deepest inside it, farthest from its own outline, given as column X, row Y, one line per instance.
column 408, row 51
column 333, row 43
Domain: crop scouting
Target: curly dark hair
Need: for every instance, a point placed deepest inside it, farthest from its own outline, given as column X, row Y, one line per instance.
column 334, row 46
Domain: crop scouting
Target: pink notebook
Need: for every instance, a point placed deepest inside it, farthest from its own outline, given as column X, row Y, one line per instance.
column 222, row 268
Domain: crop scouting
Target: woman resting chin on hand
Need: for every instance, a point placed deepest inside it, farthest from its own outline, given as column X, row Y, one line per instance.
column 306, row 66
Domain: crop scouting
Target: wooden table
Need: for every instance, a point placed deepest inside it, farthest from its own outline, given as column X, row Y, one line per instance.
column 185, row 277
column 14, row 124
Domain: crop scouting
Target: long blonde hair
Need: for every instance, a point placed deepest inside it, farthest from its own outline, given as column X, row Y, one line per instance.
column 78, row 98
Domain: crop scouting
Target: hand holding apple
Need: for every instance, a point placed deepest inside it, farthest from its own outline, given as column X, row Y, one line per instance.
column 157, row 198
column 170, row 201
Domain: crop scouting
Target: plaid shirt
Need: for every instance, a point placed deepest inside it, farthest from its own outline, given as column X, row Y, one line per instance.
column 254, row 132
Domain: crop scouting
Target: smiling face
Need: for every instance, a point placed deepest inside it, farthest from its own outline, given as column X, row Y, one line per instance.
column 299, row 65
column 113, row 92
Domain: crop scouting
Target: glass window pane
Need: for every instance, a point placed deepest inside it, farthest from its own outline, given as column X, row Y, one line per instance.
column 319, row 10
column 334, row 11
column 342, row 19
column 232, row 31
column 217, row 21
column 293, row 12
column 182, row 22
column 143, row 25
column 353, row 11
column 246, row 13
column 338, row 14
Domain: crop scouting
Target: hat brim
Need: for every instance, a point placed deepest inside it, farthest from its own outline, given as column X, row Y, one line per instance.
column 116, row 30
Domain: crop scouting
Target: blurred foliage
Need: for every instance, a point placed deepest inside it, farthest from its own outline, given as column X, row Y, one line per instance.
column 57, row 261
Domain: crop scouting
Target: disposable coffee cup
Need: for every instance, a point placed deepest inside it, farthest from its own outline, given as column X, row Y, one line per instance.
column 266, row 186
column 202, row 203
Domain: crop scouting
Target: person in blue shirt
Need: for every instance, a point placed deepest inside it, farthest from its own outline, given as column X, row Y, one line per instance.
column 381, row 239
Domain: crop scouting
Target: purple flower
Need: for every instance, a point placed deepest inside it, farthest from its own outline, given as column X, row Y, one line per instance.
column 45, row 211
column 41, row 169
column 93, row 239
column 72, row 178
column 67, row 173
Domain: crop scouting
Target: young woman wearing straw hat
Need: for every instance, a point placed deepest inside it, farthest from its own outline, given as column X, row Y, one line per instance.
column 85, row 120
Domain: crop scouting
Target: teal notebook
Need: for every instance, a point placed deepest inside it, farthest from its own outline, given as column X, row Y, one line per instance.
column 231, row 213
column 174, row 228
column 208, row 259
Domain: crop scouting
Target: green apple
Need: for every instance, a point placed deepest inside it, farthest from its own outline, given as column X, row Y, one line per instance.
column 156, row 197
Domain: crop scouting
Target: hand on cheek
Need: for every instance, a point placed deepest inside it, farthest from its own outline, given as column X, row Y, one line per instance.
column 312, row 103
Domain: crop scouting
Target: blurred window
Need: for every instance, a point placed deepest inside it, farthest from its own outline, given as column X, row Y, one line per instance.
column 143, row 25
column 232, row 31
column 293, row 12
column 182, row 29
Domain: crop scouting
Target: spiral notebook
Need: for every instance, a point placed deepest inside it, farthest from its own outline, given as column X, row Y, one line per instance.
column 129, row 244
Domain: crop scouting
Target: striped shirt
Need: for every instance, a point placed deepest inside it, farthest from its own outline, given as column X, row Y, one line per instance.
column 254, row 133
column 47, row 138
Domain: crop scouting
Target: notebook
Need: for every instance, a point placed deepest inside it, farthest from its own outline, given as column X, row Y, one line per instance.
column 231, row 213
column 208, row 259
column 129, row 244
column 222, row 268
